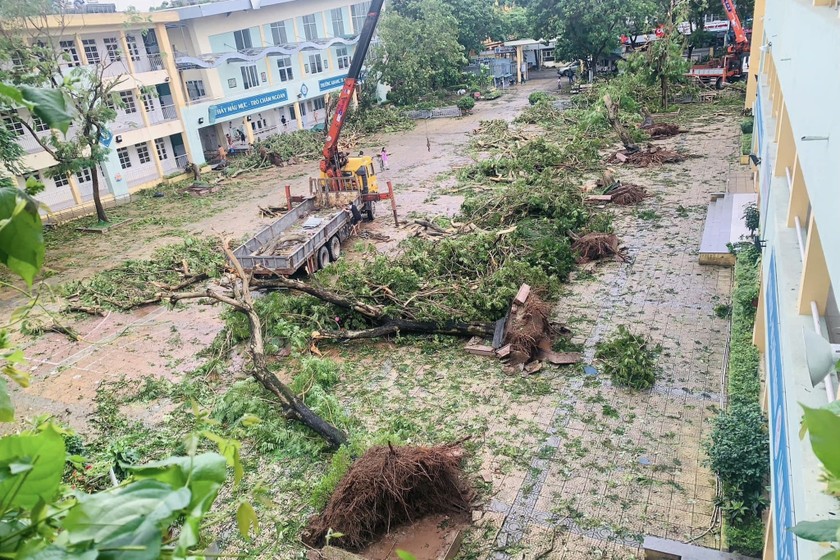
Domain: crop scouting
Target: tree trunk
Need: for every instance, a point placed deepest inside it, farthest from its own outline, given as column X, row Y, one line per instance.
column 364, row 309
column 267, row 379
column 97, row 201
column 612, row 117
column 397, row 326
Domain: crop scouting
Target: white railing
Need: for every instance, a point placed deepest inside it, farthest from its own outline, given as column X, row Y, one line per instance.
column 127, row 121
column 789, row 178
column 28, row 142
column 162, row 114
column 115, row 68
column 829, row 381
column 147, row 63
column 800, row 239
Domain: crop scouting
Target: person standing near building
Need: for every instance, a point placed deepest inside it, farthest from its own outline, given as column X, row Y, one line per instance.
column 523, row 68
column 283, row 121
column 383, row 159
column 222, row 155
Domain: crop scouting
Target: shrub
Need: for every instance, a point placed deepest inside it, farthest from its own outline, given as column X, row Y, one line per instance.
column 739, row 454
column 628, row 359
column 746, row 538
column 538, row 96
column 466, row 103
column 747, row 125
column 746, row 144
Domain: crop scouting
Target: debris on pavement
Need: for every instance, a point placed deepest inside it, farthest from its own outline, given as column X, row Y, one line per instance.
column 596, row 246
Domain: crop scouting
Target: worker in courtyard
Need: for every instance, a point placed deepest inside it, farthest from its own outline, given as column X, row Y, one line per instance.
column 523, row 68
column 222, row 155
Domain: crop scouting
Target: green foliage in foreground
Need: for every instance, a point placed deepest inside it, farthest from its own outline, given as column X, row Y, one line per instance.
column 823, row 427
column 628, row 359
column 42, row 518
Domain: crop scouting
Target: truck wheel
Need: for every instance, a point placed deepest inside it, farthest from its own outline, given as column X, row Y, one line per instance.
column 719, row 83
column 323, row 257
column 335, row 248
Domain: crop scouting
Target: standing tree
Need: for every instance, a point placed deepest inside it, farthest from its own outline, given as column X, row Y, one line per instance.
column 419, row 51
column 590, row 30
column 663, row 64
column 30, row 53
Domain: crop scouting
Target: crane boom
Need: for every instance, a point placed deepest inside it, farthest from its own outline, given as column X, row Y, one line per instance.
column 330, row 163
column 735, row 22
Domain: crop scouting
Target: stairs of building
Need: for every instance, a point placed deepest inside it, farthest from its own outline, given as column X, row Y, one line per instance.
column 724, row 225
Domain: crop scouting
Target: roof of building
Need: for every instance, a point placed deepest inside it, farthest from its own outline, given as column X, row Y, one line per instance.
column 223, row 7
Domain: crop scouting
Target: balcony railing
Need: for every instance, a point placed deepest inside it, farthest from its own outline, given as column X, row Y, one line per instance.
column 162, row 114
column 147, row 63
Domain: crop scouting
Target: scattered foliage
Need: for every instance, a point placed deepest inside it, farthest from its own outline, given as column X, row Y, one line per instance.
column 629, row 359
column 135, row 282
column 466, row 103
column 539, row 96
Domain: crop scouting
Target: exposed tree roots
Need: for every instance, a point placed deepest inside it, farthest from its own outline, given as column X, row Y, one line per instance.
column 627, row 194
column 387, row 487
column 651, row 155
column 596, row 246
column 528, row 330
column 663, row 130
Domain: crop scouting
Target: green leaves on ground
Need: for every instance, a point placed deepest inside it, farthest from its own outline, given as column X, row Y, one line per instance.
column 137, row 281
column 628, row 359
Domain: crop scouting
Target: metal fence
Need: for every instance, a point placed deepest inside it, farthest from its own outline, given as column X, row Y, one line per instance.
column 438, row 113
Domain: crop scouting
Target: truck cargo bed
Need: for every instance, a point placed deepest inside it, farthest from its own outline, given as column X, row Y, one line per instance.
column 287, row 244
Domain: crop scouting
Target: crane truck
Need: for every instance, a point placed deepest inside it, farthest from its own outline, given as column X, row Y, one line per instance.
column 308, row 237
column 728, row 67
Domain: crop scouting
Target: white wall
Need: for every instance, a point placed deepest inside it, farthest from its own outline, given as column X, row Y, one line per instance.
column 806, row 52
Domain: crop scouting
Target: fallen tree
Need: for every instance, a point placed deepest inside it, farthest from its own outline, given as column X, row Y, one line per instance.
column 239, row 298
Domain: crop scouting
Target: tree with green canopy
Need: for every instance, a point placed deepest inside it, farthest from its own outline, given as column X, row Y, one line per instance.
column 418, row 51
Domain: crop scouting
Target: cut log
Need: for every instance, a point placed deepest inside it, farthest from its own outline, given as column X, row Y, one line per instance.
column 533, row 367
column 503, row 352
column 522, row 294
column 403, row 326
column 620, row 157
column 559, row 358
column 595, row 198
column 479, row 350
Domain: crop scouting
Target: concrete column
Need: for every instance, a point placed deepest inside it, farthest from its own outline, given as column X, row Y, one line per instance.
column 518, row 65
column 298, row 118
column 768, row 553
column 249, row 130
column 129, row 64
column 141, row 106
column 265, row 59
column 798, row 205
column 74, row 188
column 327, row 28
column 178, row 97
column 758, row 327
column 814, row 282
column 786, row 152
column 755, row 53
column 80, row 49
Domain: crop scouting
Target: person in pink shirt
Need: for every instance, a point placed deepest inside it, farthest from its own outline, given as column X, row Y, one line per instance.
column 383, row 159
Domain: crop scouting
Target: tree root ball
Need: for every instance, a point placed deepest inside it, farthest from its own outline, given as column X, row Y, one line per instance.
column 389, row 486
